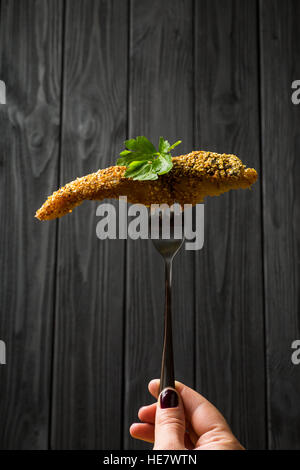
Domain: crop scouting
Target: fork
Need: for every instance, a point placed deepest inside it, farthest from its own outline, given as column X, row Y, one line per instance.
column 168, row 248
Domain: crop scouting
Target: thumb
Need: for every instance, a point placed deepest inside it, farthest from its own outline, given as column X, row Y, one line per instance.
column 169, row 421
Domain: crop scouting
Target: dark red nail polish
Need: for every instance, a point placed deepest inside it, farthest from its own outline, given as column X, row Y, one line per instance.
column 168, row 398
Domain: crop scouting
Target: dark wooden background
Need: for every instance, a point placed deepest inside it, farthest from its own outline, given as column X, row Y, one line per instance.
column 82, row 318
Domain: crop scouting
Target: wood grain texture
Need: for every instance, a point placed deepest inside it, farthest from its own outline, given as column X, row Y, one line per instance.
column 280, row 51
column 87, row 387
column 229, row 284
column 161, row 94
column 30, row 65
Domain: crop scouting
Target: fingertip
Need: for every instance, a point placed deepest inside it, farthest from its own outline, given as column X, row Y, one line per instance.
column 153, row 382
column 147, row 413
column 142, row 431
column 169, row 398
column 132, row 428
column 141, row 411
column 153, row 387
column 179, row 386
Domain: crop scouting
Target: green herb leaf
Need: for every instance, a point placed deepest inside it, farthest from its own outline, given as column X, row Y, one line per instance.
column 163, row 164
column 141, row 145
column 164, row 145
column 143, row 161
column 175, row 145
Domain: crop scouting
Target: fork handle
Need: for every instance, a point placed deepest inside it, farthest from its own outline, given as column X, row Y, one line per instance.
column 167, row 365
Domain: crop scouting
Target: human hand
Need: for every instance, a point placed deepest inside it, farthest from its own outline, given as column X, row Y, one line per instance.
column 183, row 420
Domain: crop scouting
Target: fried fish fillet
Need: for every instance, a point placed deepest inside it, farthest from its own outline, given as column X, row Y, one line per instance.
column 192, row 178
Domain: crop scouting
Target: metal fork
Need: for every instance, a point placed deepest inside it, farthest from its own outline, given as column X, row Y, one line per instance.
column 168, row 249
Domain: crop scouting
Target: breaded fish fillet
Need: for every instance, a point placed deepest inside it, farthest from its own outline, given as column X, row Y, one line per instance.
column 193, row 177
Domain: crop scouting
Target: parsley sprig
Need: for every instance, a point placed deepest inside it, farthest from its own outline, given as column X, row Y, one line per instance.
column 143, row 161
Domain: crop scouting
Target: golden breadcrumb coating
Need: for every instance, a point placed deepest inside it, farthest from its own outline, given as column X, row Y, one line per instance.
column 193, row 177
column 201, row 174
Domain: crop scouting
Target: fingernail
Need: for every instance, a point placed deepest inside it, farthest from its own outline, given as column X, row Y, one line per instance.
column 168, row 398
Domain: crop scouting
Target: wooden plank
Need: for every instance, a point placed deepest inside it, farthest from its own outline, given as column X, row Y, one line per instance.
column 280, row 36
column 229, row 284
column 87, row 393
column 30, row 65
column 161, row 104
